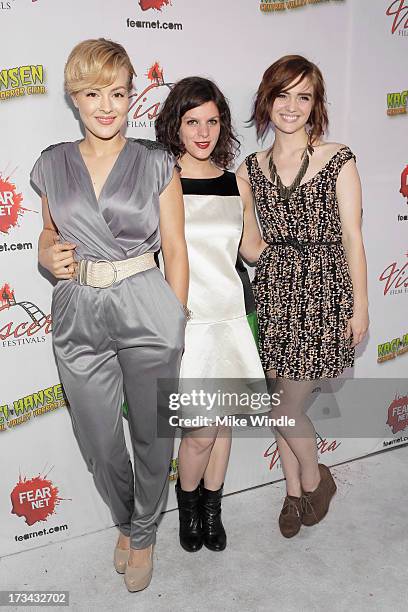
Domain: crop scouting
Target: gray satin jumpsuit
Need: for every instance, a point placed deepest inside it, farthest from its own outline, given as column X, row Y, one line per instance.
column 122, row 337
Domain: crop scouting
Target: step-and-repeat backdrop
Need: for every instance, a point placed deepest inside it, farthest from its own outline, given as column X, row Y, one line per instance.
column 46, row 492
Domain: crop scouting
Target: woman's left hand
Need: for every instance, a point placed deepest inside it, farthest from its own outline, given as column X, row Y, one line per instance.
column 357, row 326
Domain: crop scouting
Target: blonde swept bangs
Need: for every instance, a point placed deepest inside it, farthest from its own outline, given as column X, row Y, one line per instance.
column 95, row 63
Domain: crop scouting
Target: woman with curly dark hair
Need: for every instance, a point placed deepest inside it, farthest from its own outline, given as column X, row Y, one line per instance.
column 311, row 280
column 195, row 125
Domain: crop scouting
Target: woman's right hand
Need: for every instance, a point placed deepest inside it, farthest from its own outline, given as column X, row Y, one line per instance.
column 55, row 256
column 58, row 259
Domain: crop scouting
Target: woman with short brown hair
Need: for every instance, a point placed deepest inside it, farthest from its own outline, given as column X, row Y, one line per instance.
column 310, row 285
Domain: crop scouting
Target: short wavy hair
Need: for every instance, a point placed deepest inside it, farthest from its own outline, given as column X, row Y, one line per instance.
column 96, row 63
column 276, row 79
column 185, row 95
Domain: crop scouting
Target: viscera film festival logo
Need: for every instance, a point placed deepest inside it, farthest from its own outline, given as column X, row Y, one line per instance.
column 398, row 11
column 21, row 322
column 6, row 5
column 146, row 102
column 394, row 278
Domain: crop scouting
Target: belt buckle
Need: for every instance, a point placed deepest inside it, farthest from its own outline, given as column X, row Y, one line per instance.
column 80, row 272
column 115, row 272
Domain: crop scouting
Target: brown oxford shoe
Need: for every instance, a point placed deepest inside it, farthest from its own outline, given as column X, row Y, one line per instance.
column 316, row 503
column 290, row 518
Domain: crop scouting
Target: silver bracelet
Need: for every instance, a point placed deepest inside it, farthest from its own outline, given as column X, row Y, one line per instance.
column 187, row 312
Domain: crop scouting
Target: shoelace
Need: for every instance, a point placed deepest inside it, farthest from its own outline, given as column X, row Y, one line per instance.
column 307, row 506
column 291, row 506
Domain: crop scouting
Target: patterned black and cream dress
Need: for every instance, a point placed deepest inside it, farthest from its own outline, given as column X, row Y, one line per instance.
column 302, row 285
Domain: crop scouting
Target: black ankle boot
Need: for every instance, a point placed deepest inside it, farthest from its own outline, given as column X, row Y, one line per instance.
column 190, row 533
column 210, row 510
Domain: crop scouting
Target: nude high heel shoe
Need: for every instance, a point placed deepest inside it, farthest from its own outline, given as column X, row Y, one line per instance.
column 120, row 559
column 138, row 578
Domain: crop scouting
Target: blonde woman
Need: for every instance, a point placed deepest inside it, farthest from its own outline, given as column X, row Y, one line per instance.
column 109, row 203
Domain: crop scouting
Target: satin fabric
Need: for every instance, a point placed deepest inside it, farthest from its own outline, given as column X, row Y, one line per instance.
column 124, row 221
column 219, row 343
column 122, row 337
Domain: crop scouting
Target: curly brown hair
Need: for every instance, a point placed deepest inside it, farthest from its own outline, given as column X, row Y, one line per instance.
column 184, row 96
column 276, row 79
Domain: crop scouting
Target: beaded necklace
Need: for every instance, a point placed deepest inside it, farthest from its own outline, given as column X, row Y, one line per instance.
column 286, row 192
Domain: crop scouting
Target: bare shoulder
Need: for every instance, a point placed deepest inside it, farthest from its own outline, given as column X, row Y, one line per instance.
column 262, row 156
column 325, row 150
column 244, row 187
column 242, row 174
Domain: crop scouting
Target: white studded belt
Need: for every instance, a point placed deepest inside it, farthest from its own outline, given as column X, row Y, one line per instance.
column 104, row 273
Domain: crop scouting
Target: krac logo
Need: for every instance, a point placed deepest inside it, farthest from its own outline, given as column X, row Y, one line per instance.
column 145, row 106
column 399, row 10
column 392, row 349
column 397, row 103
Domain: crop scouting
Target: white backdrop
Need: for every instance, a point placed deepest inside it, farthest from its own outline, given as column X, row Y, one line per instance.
column 46, row 492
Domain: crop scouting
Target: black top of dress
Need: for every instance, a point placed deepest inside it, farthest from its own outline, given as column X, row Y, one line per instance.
column 223, row 185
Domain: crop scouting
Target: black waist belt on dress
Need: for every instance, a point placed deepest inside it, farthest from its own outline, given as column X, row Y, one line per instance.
column 302, row 246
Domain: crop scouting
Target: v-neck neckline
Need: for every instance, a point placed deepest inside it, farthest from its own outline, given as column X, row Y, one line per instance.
column 310, row 180
column 85, row 167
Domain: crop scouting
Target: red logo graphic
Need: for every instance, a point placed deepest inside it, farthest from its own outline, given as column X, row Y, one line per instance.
column 395, row 278
column 323, row 446
column 157, row 5
column 404, row 183
column 399, row 10
column 398, row 414
column 147, row 103
column 10, row 205
column 28, row 320
column 35, row 499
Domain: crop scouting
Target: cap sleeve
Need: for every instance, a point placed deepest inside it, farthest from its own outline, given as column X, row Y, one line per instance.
column 341, row 158
column 165, row 164
column 37, row 175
